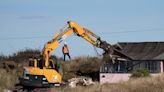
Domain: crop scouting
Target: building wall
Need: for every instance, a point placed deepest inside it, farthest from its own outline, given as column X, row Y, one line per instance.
column 106, row 77
column 113, row 77
column 117, row 77
column 162, row 66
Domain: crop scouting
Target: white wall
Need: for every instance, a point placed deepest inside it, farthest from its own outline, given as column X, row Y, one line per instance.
column 117, row 77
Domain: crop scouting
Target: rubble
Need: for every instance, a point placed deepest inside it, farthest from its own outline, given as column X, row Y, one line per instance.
column 80, row 81
column 7, row 90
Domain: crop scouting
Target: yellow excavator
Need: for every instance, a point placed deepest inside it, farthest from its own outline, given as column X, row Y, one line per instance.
column 42, row 72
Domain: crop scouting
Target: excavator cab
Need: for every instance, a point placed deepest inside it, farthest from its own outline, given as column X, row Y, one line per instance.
column 36, row 62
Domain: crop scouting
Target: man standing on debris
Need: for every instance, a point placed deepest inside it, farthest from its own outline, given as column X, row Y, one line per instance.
column 65, row 51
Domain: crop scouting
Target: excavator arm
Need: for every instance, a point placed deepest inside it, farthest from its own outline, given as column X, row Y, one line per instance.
column 79, row 31
column 53, row 44
column 91, row 37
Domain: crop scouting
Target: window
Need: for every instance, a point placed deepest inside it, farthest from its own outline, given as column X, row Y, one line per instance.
column 31, row 63
column 117, row 67
column 120, row 66
column 152, row 66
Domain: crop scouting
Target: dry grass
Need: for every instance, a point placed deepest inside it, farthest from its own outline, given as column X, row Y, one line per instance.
column 149, row 84
column 9, row 76
column 7, row 79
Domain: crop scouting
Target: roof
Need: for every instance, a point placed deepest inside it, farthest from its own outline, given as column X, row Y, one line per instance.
column 143, row 50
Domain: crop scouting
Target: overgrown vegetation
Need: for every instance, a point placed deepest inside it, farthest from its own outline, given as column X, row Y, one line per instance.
column 8, row 79
column 11, row 67
column 23, row 55
column 81, row 66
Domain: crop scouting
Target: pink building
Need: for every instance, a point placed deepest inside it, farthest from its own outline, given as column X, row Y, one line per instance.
column 143, row 55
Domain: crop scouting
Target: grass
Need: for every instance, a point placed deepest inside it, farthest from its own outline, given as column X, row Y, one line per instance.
column 140, row 73
column 148, row 84
column 7, row 79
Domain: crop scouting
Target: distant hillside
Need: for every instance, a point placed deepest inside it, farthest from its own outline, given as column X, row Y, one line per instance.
column 20, row 56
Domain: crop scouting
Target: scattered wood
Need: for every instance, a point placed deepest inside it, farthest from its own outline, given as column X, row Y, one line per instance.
column 80, row 81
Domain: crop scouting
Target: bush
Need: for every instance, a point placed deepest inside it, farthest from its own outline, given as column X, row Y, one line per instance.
column 140, row 73
column 23, row 55
column 80, row 66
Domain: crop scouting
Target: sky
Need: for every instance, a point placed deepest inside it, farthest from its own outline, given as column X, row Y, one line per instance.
column 31, row 23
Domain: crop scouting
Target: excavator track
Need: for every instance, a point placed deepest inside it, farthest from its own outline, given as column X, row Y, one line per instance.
column 20, row 88
column 30, row 89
